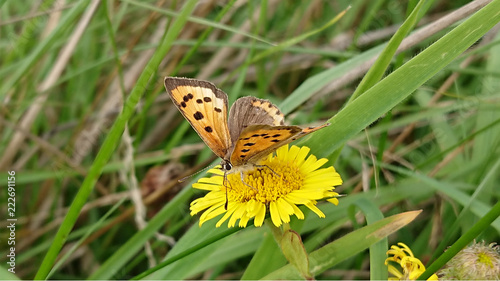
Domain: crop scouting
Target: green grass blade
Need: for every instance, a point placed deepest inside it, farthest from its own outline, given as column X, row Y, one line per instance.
column 384, row 59
column 320, row 80
column 7, row 275
column 202, row 38
column 128, row 250
column 397, row 86
column 215, row 238
column 462, row 242
column 295, row 40
column 347, row 246
column 488, row 179
column 378, row 270
column 85, row 236
column 212, row 254
column 199, row 21
column 266, row 259
column 111, row 142
column 42, row 47
column 477, row 207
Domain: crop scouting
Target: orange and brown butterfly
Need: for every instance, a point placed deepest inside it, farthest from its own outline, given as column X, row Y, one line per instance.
column 255, row 127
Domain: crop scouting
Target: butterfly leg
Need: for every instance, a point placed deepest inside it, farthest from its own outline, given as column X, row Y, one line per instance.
column 265, row 166
column 243, row 181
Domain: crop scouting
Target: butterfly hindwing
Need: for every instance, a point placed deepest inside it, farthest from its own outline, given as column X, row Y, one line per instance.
column 247, row 111
column 257, row 141
column 205, row 107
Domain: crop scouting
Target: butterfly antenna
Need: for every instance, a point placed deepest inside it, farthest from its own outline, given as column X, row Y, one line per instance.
column 194, row 174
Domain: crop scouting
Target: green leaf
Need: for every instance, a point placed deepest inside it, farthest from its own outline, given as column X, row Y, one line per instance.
column 347, row 246
column 378, row 270
column 295, row 253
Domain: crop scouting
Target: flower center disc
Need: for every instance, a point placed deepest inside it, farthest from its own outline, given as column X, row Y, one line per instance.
column 264, row 183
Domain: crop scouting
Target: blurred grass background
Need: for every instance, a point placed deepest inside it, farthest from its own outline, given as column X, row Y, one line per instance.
column 67, row 67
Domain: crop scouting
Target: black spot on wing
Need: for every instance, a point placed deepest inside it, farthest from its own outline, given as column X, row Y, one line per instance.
column 183, row 104
column 245, row 150
column 198, row 116
column 207, row 99
column 276, row 140
column 249, row 144
column 199, row 101
column 277, row 135
column 209, row 129
column 217, row 109
column 187, row 97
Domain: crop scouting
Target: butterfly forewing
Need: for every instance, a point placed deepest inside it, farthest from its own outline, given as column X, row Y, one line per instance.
column 248, row 111
column 205, row 107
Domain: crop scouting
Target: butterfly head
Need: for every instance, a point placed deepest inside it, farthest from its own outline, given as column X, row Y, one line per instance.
column 226, row 165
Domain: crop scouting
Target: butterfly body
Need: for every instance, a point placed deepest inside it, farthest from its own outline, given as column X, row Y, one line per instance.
column 254, row 129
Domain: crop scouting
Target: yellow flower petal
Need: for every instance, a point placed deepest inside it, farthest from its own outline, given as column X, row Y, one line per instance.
column 283, row 205
column 228, row 214
column 244, row 220
column 211, row 213
column 301, row 157
column 238, row 213
column 275, row 214
column 260, row 215
column 298, row 213
column 412, row 267
column 315, row 209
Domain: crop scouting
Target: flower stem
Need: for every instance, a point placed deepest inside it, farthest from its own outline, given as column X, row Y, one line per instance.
column 276, row 231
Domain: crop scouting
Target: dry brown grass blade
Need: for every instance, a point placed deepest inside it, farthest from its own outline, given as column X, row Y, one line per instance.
column 33, row 111
column 223, row 54
column 448, row 20
column 410, row 41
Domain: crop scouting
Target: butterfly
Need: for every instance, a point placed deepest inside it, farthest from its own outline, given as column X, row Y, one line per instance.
column 254, row 129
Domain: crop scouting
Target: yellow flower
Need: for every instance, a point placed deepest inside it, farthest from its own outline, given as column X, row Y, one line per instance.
column 412, row 267
column 278, row 184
